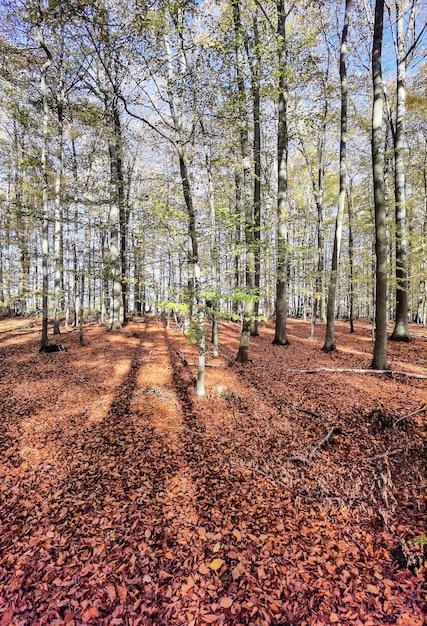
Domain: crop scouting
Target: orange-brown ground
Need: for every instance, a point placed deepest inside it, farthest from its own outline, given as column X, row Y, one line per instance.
column 125, row 499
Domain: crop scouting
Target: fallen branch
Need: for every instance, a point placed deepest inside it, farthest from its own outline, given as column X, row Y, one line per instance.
column 301, row 410
column 358, row 371
column 404, row 417
column 383, row 455
column 307, row 459
column 182, row 357
column 258, row 471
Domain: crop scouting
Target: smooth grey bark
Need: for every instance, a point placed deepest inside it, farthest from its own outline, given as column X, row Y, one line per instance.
column 350, row 258
column 124, row 211
column 81, row 302
column 401, row 329
column 317, row 181
column 422, row 314
column 116, row 299
column 22, row 227
column 379, row 360
column 45, row 188
column 329, row 345
column 255, row 67
column 193, row 251
column 243, row 352
column 215, row 265
column 58, row 248
column 195, row 276
column 238, row 237
column 280, row 336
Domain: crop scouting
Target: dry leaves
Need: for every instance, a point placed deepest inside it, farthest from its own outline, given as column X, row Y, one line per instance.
column 125, row 499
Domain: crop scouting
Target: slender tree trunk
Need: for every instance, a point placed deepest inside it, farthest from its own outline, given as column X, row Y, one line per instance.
column 238, row 237
column 350, row 258
column 423, row 281
column 379, row 361
column 214, row 255
column 256, row 94
column 81, row 303
column 401, row 330
column 45, row 188
column 116, row 304
column 195, row 278
column 22, row 229
column 7, row 259
column 329, row 345
column 243, row 352
column 280, row 337
column 123, row 209
column 58, row 278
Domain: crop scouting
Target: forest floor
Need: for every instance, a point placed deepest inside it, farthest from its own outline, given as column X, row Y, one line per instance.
column 126, row 499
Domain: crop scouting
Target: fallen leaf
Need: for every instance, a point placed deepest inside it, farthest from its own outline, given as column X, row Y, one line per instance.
column 7, row 617
column 90, row 614
column 216, row 564
column 188, row 585
column 226, row 602
column 203, row 569
column 111, row 591
column 209, row 618
column 122, row 593
column 372, row 589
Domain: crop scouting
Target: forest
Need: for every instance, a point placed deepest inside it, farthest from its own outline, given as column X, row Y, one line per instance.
column 213, row 312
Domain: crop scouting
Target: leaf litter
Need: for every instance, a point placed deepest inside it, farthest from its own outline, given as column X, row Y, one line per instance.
column 126, row 499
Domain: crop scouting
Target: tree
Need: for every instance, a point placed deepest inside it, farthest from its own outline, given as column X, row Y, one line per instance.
column 379, row 361
column 44, row 164
column 243, row 352
column 280, row 337
column 405, row 12
column 329, row 345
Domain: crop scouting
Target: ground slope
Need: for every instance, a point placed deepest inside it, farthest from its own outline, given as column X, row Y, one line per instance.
column 125, row 499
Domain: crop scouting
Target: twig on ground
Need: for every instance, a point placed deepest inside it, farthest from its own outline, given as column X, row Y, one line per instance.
column 383, row 455
column 259, row 471
column 307, row 459
column 182, row 357
column 357, row 371
column 404, row 417
column 301, row 410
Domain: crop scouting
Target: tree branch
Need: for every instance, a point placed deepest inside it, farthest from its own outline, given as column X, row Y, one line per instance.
column 306, row 460
column 356, row 371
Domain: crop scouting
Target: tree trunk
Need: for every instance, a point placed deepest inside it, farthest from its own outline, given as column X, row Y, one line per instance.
column 280, row 337
column 401, row 330
column 256, row 95
column 45, row 187
column 238, row 238
column 116, row 197
column 350, row 258
column 379, row 361
column 81, row 303
column 58, row 279
column 243, row 352
column 22, row 229
column 329, row 345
